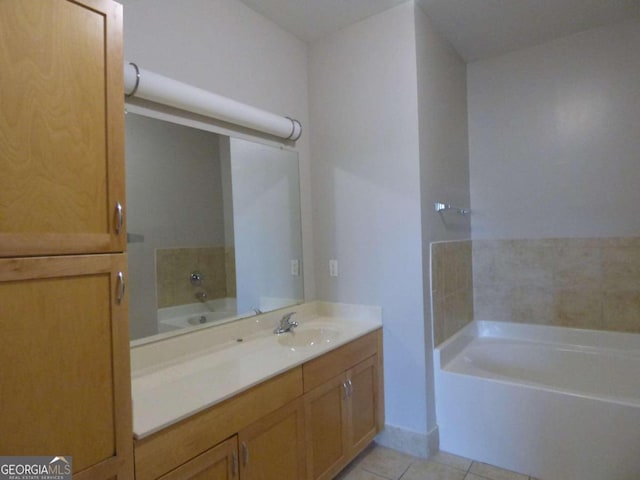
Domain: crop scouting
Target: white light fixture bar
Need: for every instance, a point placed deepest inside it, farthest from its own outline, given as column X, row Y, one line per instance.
column 167, row 91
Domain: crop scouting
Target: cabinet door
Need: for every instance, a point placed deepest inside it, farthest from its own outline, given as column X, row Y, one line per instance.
column 217, row 463
column 61, row 127
column 363, row 392
column 326, row 424
column 65, row 382
column 273, row 448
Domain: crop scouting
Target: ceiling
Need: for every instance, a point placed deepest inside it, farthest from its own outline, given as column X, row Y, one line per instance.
column 476, row 28
column 310, row 20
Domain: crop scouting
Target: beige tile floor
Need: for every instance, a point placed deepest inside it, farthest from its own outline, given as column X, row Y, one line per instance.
column 380, row 463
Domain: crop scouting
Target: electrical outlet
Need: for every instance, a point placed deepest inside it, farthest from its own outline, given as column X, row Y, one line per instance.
column 333, row 268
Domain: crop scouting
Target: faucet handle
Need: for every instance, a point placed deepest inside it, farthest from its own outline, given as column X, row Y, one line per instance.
column 287, row 318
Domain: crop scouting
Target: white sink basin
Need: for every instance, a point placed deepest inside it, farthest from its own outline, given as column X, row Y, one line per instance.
column 308, row 336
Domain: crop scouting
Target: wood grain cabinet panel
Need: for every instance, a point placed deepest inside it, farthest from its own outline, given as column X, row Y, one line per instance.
column 341, row 418
column 274, row 447
column 327, row 424
column 64, row 351
column 217, row 463
column 363, row 398
column 61, row 127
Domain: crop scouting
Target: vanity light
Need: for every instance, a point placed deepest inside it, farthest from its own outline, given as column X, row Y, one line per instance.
column 167, row 91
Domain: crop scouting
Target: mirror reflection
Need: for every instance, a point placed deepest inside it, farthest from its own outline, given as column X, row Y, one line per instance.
column 213, row 227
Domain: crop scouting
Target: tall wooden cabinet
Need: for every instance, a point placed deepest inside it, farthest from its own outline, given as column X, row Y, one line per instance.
column 64, row 349
column 61, row 127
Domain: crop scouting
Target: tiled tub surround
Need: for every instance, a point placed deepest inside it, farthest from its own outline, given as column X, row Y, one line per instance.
column 175, row 378
column 451, row 288
column 553, row 402
column 591, row 283
column 174, row 265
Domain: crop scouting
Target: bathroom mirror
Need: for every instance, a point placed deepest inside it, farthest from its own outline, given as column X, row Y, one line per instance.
column 214, row 230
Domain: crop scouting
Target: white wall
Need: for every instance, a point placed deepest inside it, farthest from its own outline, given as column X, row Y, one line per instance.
column 366, row 191
column 554, row 138
column 444, row 158
column 227, row 48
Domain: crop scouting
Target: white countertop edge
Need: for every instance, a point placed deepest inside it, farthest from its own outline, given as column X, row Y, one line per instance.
column 147, row 421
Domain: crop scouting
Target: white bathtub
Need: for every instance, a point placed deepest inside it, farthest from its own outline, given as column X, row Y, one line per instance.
column 196, row 314
column 554, row 403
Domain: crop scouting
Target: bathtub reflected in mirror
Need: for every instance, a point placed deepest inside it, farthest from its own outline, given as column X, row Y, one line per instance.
column 213, row 225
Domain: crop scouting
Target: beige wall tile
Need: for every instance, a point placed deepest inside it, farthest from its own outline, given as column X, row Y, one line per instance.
column 230, row 269
column 437, row 270
column 576, row 282
column 621, row 269
column 173, row 270
column 489, row 264
column 578, row 309
column 577, row 267
column 530, row 263
column 492, row 302
column 439, row 317
column 451, row 287
column 622, row 311
column 457, row 312
column 532, row 304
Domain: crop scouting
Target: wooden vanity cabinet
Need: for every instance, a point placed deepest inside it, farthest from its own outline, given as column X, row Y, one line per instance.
column 344, row 413
column 61, row 127
column 270, row 448
column 259, row 416
column 64, row 350
column 306, row 423
column 274, row 446
column 217, row 463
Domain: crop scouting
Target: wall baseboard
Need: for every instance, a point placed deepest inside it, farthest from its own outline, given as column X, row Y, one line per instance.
column 421, row 445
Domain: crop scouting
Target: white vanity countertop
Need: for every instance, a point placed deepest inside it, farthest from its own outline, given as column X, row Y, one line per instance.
column 175, row 378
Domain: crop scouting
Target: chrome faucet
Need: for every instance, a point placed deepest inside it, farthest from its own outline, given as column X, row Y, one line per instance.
column 286, row 324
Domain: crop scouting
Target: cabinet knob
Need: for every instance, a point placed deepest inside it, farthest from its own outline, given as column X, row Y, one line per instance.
column 350, row 387
column 120, row 288
column 119, row 217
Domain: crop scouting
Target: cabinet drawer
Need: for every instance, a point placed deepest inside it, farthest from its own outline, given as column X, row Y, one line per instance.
column 177, row 444
column 322, row 369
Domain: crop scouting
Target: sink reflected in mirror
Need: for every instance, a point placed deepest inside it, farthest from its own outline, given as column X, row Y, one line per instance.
column 214, row 230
